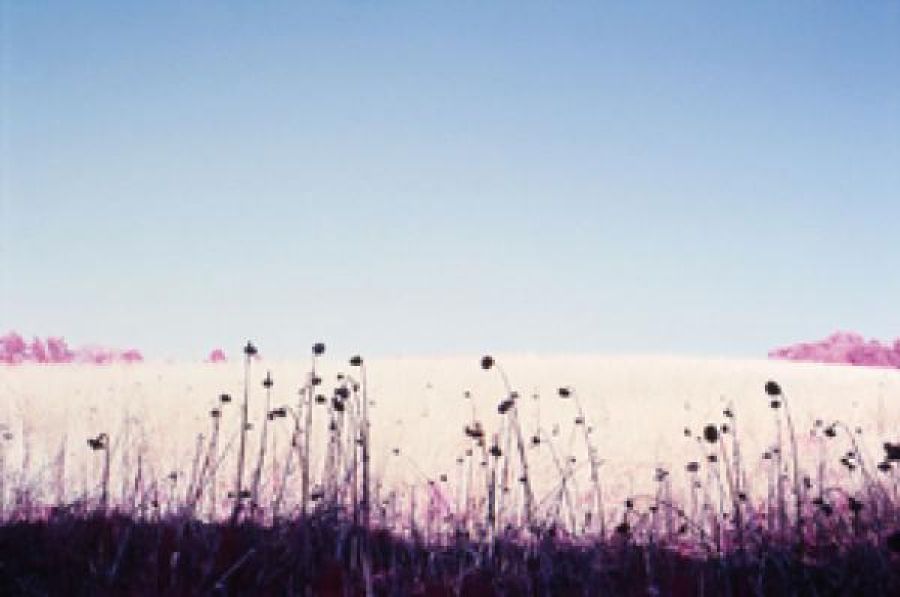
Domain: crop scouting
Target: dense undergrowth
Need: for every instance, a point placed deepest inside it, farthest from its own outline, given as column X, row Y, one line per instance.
column 322, row 555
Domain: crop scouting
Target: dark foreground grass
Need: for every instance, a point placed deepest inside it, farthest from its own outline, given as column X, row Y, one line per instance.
column 323, row 554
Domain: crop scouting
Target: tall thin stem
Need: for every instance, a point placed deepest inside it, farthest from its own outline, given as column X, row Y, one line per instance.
column 242, row 446
column 365, row 448
column 257, row 473
column 595, row 465
column 307, row 431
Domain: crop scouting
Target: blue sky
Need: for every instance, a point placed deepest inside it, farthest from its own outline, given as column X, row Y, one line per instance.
column 419, row 177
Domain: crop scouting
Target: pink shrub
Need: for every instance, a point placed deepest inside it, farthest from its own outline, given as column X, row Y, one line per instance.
column 843, row 347
column 38, row 351
column 132, row 355
column 216, row 356
column 58, row 351
column 14, row 350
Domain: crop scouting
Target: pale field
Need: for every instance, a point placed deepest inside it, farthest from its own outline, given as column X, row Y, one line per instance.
column 637, row 408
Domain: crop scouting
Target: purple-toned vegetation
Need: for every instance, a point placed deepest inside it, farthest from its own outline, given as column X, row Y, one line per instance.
column 16, row 350
column 217, row 355
column 291, row 526
column 845, row 348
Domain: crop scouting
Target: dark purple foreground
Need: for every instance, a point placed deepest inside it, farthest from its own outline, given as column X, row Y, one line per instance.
column 323, row 555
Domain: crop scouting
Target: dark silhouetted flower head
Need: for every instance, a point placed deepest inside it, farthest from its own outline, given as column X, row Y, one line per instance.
column 356, row 361
column 267, row 382
column 711, row 433
column 318, row 349
column 564, row 392
column 487, row 361
column 475, row 431
column 505, row 406
column 772, row 388
column 892, row 452
column 250, row 350
column 225, row 398
column 98, row 443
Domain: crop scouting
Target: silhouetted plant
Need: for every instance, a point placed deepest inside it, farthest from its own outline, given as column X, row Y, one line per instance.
column 101, row 444
column 250, row 351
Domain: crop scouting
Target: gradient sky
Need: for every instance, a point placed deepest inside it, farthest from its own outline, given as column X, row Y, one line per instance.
column 419, row 177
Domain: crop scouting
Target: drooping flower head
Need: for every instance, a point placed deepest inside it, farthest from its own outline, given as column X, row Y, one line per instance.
column 711, row 433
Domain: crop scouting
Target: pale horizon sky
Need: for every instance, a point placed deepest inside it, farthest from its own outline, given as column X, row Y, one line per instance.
column 399, row 178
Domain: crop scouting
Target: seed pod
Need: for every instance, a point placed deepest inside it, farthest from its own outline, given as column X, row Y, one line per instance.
column 892, row 452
